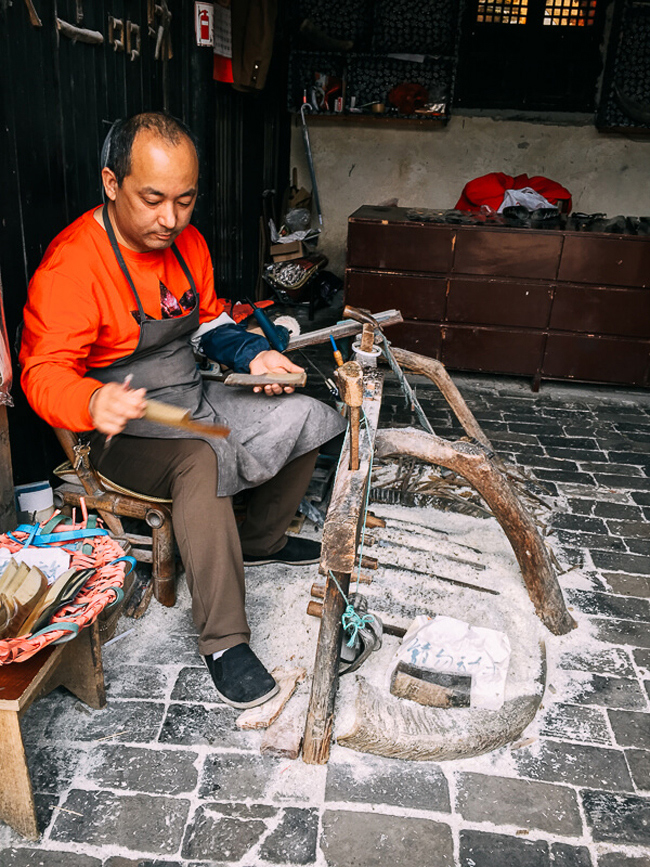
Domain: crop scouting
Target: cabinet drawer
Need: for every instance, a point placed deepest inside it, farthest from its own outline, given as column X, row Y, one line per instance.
column 516, row 253
column 499, row 302
column 621, row 261
column 421, row 337
column 604, row 311
column 598, row 359
column 491, row 349
column 400, row 248
column 414, row 297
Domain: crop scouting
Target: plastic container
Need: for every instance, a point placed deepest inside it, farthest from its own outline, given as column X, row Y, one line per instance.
column 366, row 359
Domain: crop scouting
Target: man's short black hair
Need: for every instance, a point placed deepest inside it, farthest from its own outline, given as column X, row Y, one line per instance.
column 116, row 154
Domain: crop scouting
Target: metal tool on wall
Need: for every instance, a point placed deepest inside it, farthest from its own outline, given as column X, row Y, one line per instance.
column 310, row 161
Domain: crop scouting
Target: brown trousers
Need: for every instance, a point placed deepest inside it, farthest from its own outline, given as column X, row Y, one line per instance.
column 204, row 524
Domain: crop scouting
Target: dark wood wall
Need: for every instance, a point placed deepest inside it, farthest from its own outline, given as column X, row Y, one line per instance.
column 58, row 98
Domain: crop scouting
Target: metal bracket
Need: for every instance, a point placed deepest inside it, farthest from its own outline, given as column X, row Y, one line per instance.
column 133, row 41
column 116, row 33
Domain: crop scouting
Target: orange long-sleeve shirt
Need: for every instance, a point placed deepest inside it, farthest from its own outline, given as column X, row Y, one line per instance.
column 79, row 312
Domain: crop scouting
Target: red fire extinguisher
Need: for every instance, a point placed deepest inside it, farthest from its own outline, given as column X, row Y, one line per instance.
column 204, row 25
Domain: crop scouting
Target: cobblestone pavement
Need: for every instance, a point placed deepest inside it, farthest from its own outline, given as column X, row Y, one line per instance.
column 163, row 777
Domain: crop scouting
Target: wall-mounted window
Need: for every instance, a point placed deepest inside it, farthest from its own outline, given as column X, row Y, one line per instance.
column 530, row 54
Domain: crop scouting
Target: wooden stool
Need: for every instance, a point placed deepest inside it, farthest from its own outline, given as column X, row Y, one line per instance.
column 77, row 665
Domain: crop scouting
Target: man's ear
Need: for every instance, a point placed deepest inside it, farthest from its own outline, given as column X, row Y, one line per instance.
column 110, row 183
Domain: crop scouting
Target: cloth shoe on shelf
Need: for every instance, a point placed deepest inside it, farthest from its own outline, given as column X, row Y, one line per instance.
column 240, row 678
column 296, row 552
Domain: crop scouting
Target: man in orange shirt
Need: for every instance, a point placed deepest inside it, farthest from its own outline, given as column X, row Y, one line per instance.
column 116, row 308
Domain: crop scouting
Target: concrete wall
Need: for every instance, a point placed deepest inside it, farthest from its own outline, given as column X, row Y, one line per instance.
column 367, row 164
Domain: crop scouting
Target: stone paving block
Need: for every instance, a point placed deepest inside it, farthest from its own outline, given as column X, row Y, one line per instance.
column 630, row 529
column 579, row 523
column 563, row 855
column 142, row 647
column 572, row 723
column 642, row 659
column 621, row 632
column 638, row 546
column 618, row 511
column 294, row 840
column 52, row 769
column 525, row 804
column 608, row 468
column 190, row 725
column 37, row 717
column 628, row 585
column 623, row 859
column 39, row 858
column 565, row 477
column 576, row 764
column 592, row 541
column 630, row 729
column 588, row 444
column 135, row 681
column 136, row 822
column 134, row 721
column 571, row 455
column 226, row 832
column 545, row 463
column 617, row 818
column 581, row 507
column 624, row 457
column 119, row 861
column 634, row 483
column 642, row 498
column 614, row 692
column 236, row 776
column 351, row 839
column 482, row 849
column 195, row 685
column 138, row 769
column 604, row 494
column 612, row 660
column 639, row 764
column 419, row 785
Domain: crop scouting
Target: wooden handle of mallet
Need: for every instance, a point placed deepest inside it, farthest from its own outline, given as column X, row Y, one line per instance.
column 295, row 380
column 350, row 382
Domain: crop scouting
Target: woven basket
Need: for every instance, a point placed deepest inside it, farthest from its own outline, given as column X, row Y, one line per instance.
column 103, row 588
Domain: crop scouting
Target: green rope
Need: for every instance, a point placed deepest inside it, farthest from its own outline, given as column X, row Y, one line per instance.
column 351, row 620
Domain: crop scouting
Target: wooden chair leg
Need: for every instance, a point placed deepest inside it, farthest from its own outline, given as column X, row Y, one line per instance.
column 16, row 796
column 163, row 565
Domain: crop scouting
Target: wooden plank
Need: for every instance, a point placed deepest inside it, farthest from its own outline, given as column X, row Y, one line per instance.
column 342, row 525
column 342, row 329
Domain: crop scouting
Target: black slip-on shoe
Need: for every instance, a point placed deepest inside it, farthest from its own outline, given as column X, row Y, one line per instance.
column 296, row 552
column 240, row 678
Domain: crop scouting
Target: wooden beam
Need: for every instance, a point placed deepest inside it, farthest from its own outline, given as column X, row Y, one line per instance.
column 7, row 503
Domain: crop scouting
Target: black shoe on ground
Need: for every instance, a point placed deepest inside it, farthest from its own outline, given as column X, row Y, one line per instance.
column 297, row 552
column 240, row 678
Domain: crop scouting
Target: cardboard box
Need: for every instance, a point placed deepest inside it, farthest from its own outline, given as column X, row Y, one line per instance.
column 287, row 252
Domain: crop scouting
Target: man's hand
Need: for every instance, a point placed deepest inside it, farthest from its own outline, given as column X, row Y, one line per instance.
column 112, row 405
column 269, row 362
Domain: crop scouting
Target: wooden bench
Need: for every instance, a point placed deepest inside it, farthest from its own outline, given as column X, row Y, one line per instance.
column 77, row 665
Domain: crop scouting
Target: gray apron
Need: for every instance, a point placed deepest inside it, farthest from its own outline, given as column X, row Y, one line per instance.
column 266, row 433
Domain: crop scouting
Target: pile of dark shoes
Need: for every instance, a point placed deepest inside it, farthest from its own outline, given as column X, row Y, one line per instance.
column 519, row 216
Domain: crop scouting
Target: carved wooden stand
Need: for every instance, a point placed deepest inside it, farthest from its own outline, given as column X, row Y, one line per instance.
column 346, row 514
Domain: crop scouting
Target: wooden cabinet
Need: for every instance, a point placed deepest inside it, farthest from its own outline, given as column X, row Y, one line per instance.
column 546, row 303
